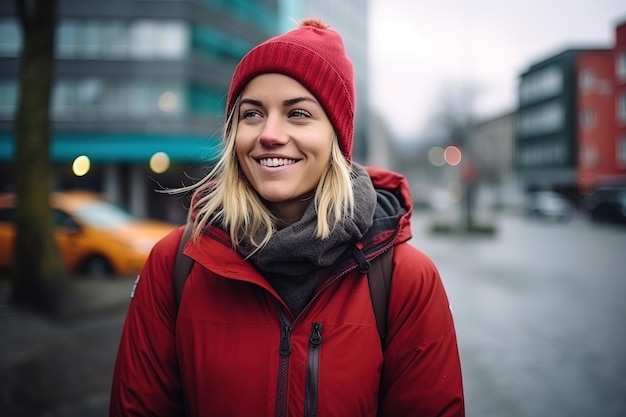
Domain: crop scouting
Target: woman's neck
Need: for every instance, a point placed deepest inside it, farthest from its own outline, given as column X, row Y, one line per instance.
column 289, row 212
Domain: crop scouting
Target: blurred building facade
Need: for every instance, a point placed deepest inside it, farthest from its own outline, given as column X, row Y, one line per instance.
column 598, row 163
column 140, row 88
column 570, row 130
column 619, row 59
column 491, row 148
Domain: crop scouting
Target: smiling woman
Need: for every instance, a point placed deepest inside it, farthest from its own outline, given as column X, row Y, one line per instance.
column 285, row 228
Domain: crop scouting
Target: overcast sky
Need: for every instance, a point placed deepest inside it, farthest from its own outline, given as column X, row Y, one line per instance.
column 417, row 47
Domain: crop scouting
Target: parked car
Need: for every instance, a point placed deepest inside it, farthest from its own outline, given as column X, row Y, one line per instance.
column 94, row 237
column 549, row 205
column 608, row 205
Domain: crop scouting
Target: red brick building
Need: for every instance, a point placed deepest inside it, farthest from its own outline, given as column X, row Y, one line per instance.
column 620, row 100
column 601, row 100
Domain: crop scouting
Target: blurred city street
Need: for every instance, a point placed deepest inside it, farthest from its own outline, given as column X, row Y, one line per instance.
column 539, row 310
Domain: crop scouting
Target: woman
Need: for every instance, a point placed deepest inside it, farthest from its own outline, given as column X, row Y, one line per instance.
column 276, row 316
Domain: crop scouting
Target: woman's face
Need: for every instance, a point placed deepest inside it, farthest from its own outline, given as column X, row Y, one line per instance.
column 283, row 142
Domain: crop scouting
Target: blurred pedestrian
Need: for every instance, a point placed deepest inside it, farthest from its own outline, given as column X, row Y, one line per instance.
column 276, row 317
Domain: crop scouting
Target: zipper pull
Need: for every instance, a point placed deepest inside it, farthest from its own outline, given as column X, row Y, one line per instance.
column 285, row 341
column 316, row 334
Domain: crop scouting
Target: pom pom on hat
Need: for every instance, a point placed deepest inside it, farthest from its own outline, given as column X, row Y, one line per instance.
column 315, row 22
column 314, row 55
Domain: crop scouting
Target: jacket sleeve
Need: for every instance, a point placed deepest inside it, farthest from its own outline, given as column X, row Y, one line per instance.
column 146, row 379
column 422, row 370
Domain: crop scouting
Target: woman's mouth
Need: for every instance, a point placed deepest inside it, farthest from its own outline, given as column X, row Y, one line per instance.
column 276, row 162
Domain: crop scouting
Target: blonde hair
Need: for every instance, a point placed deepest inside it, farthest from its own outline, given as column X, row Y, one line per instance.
column 225, row 197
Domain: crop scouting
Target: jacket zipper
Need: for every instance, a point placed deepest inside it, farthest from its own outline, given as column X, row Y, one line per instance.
column 284, row 351
column 285, row 345
column 312, row 371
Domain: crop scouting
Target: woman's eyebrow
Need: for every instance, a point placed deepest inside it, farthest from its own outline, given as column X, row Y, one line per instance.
column 296, row 100
column 252, row 101
column 286, row 103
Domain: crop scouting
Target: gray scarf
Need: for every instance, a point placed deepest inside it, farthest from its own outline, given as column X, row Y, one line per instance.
column 294, row 260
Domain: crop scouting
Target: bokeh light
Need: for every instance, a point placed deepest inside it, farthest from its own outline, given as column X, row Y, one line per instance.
column 159, row 162
column 168, row 102
column 452, row 155
column 435, row 156
column 81, row 165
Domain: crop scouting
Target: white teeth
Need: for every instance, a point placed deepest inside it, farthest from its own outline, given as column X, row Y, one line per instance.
column 276, row 162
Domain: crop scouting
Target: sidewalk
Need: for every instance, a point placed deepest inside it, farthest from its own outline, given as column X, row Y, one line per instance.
column 98, row 296
column 62, row 366
column 22, row 329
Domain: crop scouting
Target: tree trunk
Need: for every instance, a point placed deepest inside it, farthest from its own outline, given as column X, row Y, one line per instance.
column 39, row 280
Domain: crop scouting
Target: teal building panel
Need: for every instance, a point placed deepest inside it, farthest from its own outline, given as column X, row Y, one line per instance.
column 121, row 147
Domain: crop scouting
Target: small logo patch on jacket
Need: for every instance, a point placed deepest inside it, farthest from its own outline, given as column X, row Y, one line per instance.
column 132, row 292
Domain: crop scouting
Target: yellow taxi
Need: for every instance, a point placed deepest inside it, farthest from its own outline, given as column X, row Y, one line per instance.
column 94, row 237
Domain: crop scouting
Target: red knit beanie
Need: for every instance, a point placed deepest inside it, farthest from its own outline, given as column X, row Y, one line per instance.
column 313, row 55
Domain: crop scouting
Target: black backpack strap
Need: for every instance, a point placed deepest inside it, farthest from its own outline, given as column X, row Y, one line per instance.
column 379, row 279
column 183, row 264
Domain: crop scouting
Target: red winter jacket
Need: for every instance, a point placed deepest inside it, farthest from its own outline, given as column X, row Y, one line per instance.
column 234, row 350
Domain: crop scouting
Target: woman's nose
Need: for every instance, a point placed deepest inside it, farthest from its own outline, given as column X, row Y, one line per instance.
column 273, row 132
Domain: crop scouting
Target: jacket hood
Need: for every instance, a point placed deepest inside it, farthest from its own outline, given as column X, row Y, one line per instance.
column 392, row 218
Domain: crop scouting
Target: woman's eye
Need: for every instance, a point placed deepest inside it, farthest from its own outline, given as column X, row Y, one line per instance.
column 247, row 114
column 299, row 114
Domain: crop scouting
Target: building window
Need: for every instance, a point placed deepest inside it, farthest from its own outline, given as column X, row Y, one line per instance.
column 589, row 83
column 621, row 108
column 8, row 98
column 549, row 153
column 89, row 40
column 114, row 35
column 621, row 151
column 115, row 103
column 95, row 98
column 589, row 157
column 620, row 65
column 543, row 119
column 150, row 39
column 89, row 92
column 66, row 39
column 588, row 118
column 63, row 100
column 114, row 39
column 586, row 80
column 541, row 84
column 140, row 99
column 10, row 38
